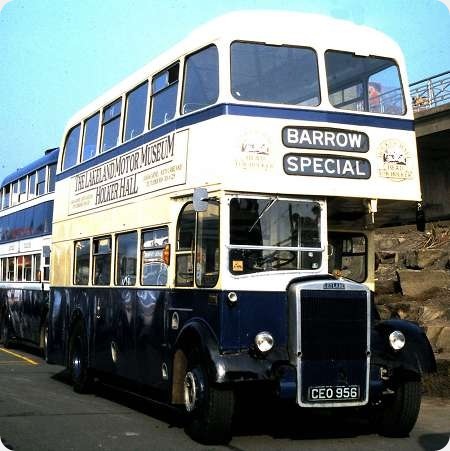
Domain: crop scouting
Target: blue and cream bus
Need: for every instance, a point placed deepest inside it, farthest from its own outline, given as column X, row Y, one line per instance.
column 26, row 211
column 214, row 224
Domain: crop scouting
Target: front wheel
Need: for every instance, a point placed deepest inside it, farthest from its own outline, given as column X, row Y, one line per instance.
column 78, row 361
column 209, row 408
column 399, row 414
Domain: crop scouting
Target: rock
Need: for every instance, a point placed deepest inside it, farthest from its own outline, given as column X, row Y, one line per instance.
column 387, row 244
column 425, row 258
column 404, row 310
column 429, row 313
column 387, row 256
column 414, row 283
column 384, row 311
column 433, row 332
column 443, row 340
column 387, row 286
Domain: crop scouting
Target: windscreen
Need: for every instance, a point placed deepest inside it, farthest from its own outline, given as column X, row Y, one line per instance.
column 271, row 234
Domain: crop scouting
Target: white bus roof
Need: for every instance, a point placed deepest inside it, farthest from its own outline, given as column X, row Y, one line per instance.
column 272, row 27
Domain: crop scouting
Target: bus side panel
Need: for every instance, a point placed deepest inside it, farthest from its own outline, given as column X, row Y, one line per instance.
column 58, row 327
column 151, row 350
column 113, row 317
column 191, row 305
column 28, row 309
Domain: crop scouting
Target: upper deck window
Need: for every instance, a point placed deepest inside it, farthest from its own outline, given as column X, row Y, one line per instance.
column 71, row 148
column 90, row 137
column 6, row 196
column 111, row 125
column 51, row 177
column 15, row 193
column 32, row 184
column 364, row 83
column 201, row 80
column 274, row 74
column 164, row 95
column 23, row 189
column 40, row 187
column 135, row 107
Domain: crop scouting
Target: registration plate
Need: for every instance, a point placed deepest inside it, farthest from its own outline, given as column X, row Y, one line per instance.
column 333, row 393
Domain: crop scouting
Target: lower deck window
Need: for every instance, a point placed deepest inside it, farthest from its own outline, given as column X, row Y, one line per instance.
column 102, row 261
column 126, row 262
column 37, row 267
column 11, row 268
column 153, row 264
column 82, row 256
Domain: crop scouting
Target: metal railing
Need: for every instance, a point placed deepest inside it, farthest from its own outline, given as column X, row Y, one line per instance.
column 431, row 92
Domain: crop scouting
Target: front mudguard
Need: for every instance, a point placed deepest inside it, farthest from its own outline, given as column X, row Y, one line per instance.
column 416, row 356
column 232, row 366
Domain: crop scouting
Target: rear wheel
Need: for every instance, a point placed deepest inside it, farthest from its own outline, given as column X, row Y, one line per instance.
column 44, row 341
column 400, row 412
column 209, row 407
column 79, row 371
column 6, row 333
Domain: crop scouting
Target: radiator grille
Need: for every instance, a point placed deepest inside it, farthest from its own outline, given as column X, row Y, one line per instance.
column 333, row 324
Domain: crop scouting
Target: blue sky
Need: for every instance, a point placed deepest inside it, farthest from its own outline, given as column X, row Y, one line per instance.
column 58, row 55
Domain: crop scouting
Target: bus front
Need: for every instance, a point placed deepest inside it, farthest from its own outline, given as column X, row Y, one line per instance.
column 317, row 144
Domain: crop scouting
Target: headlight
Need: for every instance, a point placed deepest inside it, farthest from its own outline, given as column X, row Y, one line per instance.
column 264, row 341
column 397, row 340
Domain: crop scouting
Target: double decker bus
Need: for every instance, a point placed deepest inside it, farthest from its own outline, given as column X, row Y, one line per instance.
column 214, row 224
column 26, row 210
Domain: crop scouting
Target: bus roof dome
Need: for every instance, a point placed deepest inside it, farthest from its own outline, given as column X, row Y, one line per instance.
column 291, row 26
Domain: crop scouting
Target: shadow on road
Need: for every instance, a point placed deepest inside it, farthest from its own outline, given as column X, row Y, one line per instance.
column 140, row 402
column 254, row 416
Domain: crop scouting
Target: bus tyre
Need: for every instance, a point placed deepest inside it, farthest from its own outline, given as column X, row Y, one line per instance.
column 6, row 334
column 44, row 341
column 400, row 413
column 79, row 371
column 209, row 408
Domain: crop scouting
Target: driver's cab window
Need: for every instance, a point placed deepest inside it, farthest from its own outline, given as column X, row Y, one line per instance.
column 198, row 247
column 347, row 255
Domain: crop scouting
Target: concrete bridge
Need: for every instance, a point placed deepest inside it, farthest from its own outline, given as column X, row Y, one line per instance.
column 431, row 101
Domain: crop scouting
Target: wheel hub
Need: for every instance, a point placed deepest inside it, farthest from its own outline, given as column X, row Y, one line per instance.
column 76, row 363
column 190, row 391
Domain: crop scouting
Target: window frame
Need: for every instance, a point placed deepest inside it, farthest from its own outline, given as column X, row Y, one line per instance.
column 83, row 138
column 365, row 84
column 161, row 248
column 75, row 262
column 145, row 111
column 268, row 44
column 154, row 94
column 183, row 89
column 77, row 156
column 193, row 253
column 104, row 122
column 95, row 254
column 350, row 235
column 117, row 272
